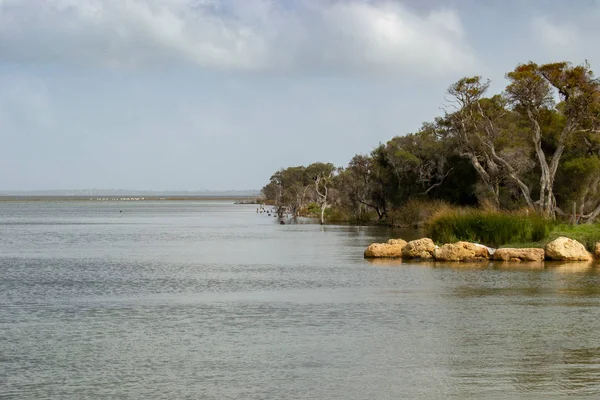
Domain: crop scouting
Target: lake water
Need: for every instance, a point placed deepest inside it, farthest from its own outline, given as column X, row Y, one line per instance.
column 210, row 300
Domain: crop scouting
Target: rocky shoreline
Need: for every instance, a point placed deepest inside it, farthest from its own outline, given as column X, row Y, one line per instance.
column 560, row 249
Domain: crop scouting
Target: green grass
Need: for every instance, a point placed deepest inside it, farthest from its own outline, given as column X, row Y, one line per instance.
column 492, row 228
column 506, row 229
column 588, row 235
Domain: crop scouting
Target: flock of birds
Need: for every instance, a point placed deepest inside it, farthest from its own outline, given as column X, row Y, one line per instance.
column 270, row 212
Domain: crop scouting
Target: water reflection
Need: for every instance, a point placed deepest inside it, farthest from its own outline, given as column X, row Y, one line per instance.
column 570, row 266
column 191, row 300
column 552, row 266
column 518, row 266
column 385, row 262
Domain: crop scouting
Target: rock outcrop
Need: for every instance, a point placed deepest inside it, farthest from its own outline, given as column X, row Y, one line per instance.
column 565, row 249
column 597, row 251
column 517, row 255
column 397, row 241
column 385, row 250
column 461, row 251
column 421, row 248
column 561, row 249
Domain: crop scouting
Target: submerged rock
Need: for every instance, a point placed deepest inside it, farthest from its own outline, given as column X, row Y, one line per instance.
column 565, row 249
column 385, row 250
column 421, row 248
column 517, row 255
column 461, row 251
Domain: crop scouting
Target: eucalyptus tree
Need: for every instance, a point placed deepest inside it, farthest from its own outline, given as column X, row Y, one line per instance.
column 322, row 175
column 533, row 91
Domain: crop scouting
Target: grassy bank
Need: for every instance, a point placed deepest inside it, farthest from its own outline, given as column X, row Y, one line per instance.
column 492, row 228
column 507, row 229
column 588, row 235
column 445, row 223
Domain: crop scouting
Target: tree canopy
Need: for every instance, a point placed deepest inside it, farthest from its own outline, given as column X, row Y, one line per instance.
column 535, row 145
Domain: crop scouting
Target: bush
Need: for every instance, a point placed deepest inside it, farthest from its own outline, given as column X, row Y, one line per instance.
column 313, row 209
column 493, row 228
column 335, row 215
column 415, row 212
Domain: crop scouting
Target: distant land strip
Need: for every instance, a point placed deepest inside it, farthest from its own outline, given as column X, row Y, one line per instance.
column 128, row 198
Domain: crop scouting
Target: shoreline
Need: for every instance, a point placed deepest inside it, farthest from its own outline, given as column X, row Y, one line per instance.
column 122, row 198
column 562, row 249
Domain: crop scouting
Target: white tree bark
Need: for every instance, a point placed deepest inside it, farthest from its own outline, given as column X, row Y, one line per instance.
column 322, row 194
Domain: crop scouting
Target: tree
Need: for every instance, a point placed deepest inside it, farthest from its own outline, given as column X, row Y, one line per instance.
column 583, row 185
column 476, row 126
column 288, row 189
column 322, row 175
column 537, row 144
column 532, row 90
column 419, row 161
column 365, row 184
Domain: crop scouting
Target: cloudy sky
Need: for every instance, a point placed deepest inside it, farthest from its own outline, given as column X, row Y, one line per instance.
column 218, row 94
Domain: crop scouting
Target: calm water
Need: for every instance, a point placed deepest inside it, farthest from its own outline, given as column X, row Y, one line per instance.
column 209, row 300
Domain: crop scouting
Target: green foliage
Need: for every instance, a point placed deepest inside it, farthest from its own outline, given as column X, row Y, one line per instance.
column 338, row 215
column 587, row 234
column 536, row 144
column 313, row 209
column 415, row 211
column 583, row 166
column 491, row 228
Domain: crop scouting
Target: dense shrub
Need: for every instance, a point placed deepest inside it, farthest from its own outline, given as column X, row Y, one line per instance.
column 492, row 228
column 416, row 211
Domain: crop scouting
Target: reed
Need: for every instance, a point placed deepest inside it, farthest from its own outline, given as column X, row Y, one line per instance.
column 489, row 227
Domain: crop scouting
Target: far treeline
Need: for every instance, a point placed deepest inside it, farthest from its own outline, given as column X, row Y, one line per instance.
column 535, row 146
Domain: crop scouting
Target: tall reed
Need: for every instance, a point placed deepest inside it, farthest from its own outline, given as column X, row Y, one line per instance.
column 489, row 227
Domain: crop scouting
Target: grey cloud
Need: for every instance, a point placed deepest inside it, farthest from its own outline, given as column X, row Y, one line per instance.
column 259, row 84
column 258, row 35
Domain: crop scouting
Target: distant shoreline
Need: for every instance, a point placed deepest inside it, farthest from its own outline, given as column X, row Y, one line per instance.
column 125, row 198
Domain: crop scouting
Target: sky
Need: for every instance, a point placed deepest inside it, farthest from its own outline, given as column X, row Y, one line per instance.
column 219, row 94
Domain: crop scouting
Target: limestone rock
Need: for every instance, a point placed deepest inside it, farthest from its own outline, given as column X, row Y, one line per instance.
column 461, row 251
column 565, row 249
column 597, row 250
column 397, row 241
column 421, row 248
column 509, row 254
column 378, row 250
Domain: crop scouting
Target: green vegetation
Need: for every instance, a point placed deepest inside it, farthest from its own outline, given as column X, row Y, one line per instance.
column 492, row 228
column 535, row 146
column 504, row 228
column 588, row 235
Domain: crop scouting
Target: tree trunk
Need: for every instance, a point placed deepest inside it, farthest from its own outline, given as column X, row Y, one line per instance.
column 323, row 195
column 485, row 177
column 512, row 174
column 547, row 200
column 590, row 218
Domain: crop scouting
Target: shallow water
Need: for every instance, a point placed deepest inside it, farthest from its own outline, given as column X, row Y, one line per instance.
column 211, row 300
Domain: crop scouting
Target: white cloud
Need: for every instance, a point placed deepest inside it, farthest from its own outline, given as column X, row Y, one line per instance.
column 569, row 39
column 552, row 34
column 256, row 35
